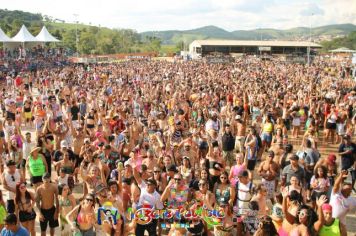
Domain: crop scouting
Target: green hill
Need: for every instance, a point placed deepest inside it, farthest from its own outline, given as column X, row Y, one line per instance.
column 91, row 39
column 102, row 40
column 210, row 32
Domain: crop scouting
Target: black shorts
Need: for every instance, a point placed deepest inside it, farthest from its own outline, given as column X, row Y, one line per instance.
column 214, row 179
column 48, row 215
column 331, row 126
column 27, row 216
column 251, row 164
column 78, row 160
column 10, row 206
column 36, row 179
column 316, row 195
column 21, row 165
column 90, row 126
column 10, row 115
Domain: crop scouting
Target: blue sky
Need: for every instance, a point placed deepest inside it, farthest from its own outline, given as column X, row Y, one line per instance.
column 145, row 15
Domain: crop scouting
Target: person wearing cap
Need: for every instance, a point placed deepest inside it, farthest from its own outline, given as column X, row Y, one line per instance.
column 58, row 154
column 341, row 198
column 13, row 228
column 10, row 177
column 332, row 226
column 239, row 130
column 47, row 205
column 212, row 126
column 188, row 151
column 28, row 145
column 148, row 196
column 293, row 169
column 37, row 166
column 347, row 152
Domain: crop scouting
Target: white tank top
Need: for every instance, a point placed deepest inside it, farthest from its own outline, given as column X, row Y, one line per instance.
column 11, row 180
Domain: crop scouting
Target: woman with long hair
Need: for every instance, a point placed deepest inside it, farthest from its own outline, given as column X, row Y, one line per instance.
column 266, row 227
column 319, row 183
column 82, row 218
column 67, row 203
column 224, row 193
column 24, row 202
column 15, row 153
column 305, row 222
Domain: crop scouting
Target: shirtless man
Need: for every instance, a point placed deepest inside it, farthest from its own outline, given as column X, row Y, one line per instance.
column 189, row 152
column 268, row 170
column 240, row 130
column 78, row 143
column 46, row 197
column 127, row 144
column 278, row 150
column 150, row 161
column 136, row 130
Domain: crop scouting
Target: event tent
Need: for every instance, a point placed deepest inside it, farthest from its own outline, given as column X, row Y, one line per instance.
column 342, row 50
column 24, row 36
column 45, row 36
column 4, row 37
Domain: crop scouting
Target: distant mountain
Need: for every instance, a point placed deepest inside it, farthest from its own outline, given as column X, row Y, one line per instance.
column 212, row 32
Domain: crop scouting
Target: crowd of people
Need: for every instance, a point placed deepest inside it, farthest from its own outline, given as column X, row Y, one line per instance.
column 178, row 148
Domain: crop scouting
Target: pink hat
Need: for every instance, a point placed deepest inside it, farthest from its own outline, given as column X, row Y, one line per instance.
column 98, row 134
column 327, row 207
column 331, row 159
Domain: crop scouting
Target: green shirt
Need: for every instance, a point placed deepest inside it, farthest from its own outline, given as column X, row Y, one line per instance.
column 37, row 167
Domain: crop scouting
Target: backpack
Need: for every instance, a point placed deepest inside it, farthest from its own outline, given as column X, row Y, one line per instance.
column 259, row 142
column 237, row 192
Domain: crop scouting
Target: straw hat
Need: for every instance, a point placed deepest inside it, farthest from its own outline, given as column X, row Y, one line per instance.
column 36, row 149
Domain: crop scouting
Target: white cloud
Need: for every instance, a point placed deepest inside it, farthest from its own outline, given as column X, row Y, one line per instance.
column 145, row 15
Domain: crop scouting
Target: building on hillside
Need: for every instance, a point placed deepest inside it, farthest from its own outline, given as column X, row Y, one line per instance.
column 202, row 48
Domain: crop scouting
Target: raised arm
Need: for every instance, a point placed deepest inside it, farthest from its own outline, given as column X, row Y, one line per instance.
column 321, row 221
column 166, row 192
column 339, row 181
column 289, row 217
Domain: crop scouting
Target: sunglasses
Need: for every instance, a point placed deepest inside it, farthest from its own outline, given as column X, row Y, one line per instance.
column 13, row 178
column 156, row 171
column 303, row 214
column 177, row 179
column 201, row 184
column 89, row 199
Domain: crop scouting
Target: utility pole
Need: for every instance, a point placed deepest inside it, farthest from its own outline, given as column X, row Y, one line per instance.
column 310, row 29
column 76, row 34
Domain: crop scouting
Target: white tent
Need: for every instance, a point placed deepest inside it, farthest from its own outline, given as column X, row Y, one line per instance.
column 342, row 50
column 4, row 37
column 23, row 36
column 45, row 36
